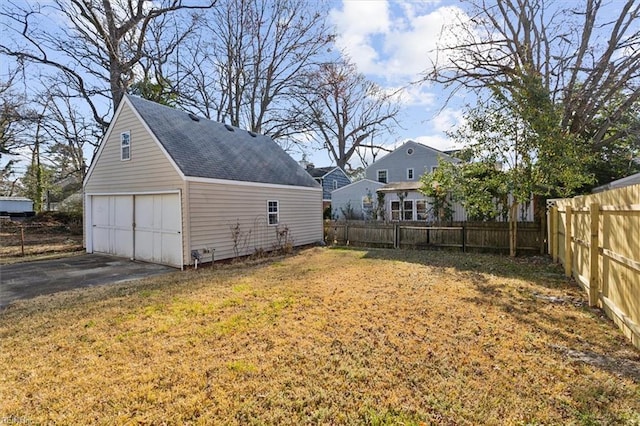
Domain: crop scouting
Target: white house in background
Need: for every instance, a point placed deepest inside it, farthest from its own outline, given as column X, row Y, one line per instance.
column 397, row 178
column 620, row 183
column 168, row 187
column 355, row 201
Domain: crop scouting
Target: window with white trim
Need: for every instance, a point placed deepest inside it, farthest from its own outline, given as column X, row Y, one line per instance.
column 395, row 210
column 433, row 168
column 408, row 210
column 273, row 212
column 335, row 184
column 382, row 176
column 367, row 203
column 125, row 146
column 409, row 174
column 421, row 209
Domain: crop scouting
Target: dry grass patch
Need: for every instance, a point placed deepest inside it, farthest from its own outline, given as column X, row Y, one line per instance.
column 28, row 241
column 323, row 337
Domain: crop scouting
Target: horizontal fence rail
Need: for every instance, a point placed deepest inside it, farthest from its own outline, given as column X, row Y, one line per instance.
column 465, row 236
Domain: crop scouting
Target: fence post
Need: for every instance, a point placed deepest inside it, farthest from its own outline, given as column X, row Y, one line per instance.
column 22, row 239
column 568, row 256
column 396, row 235
column 464, row 239
column 543, row 232
column 594, row 212
column 346, row 233
column 554, row 233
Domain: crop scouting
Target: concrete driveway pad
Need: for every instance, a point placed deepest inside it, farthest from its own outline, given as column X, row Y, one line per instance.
column 30, row 279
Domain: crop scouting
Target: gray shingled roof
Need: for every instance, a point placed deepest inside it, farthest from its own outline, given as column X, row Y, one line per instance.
column 209, row 149
column 319, row 171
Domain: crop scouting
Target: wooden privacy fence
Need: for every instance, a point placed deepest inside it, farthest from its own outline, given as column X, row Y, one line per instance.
column 597, row 239
column 492, row 236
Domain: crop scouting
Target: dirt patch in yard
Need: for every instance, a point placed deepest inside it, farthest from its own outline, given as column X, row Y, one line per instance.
column 328, row 336
column 32, row 238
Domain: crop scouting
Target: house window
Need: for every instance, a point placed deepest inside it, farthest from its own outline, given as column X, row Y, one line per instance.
column 409, row 174
column 433, row 168
column 367, row 203
column 382, row 176
column 335, row 184
column 408, row 210
column 395, row 210
column 125, row 146
column 273, row 212
column 421, row 210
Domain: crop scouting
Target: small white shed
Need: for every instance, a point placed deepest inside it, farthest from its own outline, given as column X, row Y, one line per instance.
column 168, row 187
column 12, row 205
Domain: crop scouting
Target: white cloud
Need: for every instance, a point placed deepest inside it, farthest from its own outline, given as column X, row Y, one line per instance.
column 394, row 40
column 415, row 95
column 356, row 23
column 443, row 143
column 447, row 119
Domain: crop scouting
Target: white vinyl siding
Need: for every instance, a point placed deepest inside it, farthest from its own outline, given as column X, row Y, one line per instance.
column 215, row 208
column 148, row 170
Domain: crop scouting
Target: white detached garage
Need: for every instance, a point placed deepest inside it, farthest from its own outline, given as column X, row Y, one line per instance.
column 167, row 186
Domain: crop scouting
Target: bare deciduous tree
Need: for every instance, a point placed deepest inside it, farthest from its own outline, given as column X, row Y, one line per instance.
column 247, row 70
column 584, row 54
column 97, row 53
column 343, row 109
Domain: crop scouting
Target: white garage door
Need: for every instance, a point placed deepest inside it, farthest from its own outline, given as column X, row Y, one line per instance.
column 158, row 237
column 111, row 217
column 141, row 227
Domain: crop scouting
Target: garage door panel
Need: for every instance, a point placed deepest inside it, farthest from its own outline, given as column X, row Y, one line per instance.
column 123, row 212
column 158, row 229
column 112, row 224
column 100, row 211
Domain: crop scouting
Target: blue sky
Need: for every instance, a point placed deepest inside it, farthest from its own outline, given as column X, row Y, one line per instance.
column 392, row 42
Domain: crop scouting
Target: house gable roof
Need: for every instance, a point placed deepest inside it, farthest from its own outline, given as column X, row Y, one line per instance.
column 359, row 183
column 320, row 172
column 415, row 145
column 620, row 183
column 203, row 148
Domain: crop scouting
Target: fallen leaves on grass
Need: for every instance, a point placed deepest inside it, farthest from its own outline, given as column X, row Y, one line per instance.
column 324, row 337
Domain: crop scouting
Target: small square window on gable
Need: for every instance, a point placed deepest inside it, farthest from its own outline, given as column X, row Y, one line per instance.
column 125, row 146
column 382, row 176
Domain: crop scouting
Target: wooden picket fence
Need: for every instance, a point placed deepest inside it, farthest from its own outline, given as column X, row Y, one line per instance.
column 465, row 236
column 597, row 239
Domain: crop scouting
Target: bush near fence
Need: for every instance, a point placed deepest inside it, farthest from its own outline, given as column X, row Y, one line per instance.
column 597, row 239
column 464, row 236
